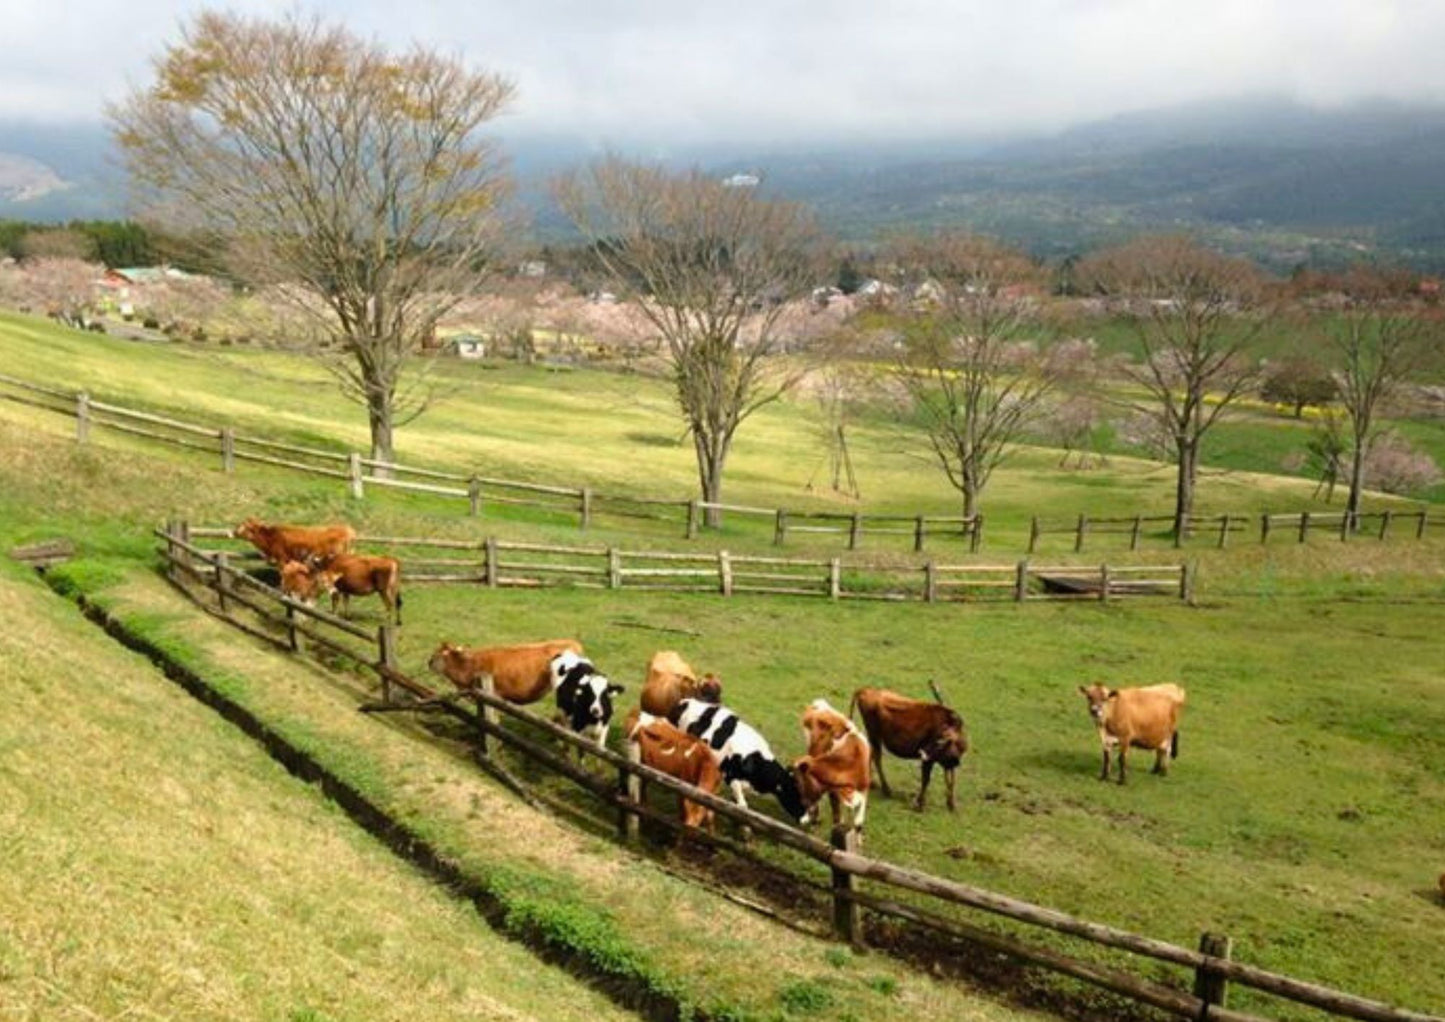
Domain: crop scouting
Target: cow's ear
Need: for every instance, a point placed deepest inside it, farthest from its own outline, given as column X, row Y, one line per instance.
column 1112, row 694
column 1083, row 691
column 616, row 689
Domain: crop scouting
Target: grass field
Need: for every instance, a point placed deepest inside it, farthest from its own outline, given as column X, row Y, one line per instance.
column 1304, row 816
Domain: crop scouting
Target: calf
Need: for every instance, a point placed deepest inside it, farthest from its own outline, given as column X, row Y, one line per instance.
column 1145, row 718
column 678, row 754
column 309, row 544
column 670, row 680
column 584, row 697
column 836, row 765
column 912, row 729
column 746, row 761
column 345, row 576
column 520, row 674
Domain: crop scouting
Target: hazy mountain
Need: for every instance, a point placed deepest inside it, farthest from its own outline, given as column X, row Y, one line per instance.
column 1273, row 179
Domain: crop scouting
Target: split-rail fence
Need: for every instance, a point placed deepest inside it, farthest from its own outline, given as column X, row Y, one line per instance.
column 618, row 781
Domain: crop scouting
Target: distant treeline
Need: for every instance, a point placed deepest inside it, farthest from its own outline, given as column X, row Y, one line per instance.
column 112, row 242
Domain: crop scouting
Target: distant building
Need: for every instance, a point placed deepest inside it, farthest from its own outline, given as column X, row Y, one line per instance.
column 532, row 268
column 467, row 346
column 742, row 181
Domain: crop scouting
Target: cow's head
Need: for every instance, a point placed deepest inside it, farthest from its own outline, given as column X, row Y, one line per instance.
column 823, row 726
column 299, row 582
column 443, row 656
column 810, row 789
column 1098, row 697
column 709, row 689
column 949, row 740
column 248, row 530
column 326, row 579
column 592, row 704
column 568, row 663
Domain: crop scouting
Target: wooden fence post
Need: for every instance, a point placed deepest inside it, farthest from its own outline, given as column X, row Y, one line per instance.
column 228, row 449
column 1033, row 533
column 183, row 530
column 1209, row 986
column 847, row 918
column 1021, row 581
column 486, row 716
column 291, row 638
column 491, row 565
column 474, row 496
column 692, row 510
column 585, row 496
column 1223, row 531
column 1187, row 579
column 854, row 527
column 930, row 581
column 614, row 568
column 82, row 417
column 1134, row 535
column 724, row 573
column 976, row 538
column 353, row 469
column 1420, row 529
column 1264, row 528
column 386, row 648
column 919, row 530
column 1385, row 523
column 1345, row 525
column 629, row 786
column 1304, row 525
column 1103, row 583
column 1082, row 528
column 780, row 528
column 835, row 578
column 171, row 549
column 220, row 559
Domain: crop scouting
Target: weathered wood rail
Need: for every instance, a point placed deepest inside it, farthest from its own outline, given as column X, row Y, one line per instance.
column 617, row 782
column 500, row 564
column 1218, row 530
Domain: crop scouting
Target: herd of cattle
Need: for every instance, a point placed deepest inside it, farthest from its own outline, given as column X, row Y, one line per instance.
column 681, row 726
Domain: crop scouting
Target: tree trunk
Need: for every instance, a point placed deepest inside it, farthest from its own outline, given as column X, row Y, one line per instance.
column 970, row 495
column 383, row 447
column 1357, row 481
column 712, row 453
column 1184, row 487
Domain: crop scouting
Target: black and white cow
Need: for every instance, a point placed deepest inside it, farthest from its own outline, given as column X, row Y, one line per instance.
column 584, row 697
column 746, row 760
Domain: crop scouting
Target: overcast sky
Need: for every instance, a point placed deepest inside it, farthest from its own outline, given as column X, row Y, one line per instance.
column 768, row 71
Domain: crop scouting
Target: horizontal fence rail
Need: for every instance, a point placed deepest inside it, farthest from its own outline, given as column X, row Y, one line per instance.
column 499, row 563
column 691, row 516
column 617, row 781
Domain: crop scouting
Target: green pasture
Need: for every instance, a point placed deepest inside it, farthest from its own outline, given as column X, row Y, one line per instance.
column 1304, row 816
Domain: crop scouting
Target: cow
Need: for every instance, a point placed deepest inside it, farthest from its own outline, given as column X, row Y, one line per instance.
column 520, row 674
column 680, row 755
column 912, row 729
column 746, row 761
column 309, row 544
column 584, row 697
column 670, row 680
column 836, row 765
column 1145, row 718
column 345, row 576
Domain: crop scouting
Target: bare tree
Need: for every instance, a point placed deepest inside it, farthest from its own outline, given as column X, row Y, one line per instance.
column 1381, row 337
column 351, row 180
column 971, row 363
column 712, row 269
column 63, row 289
column 57, row 243
column 1195, row 314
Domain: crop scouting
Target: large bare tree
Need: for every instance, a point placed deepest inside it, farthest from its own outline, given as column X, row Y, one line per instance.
column 1195, row 315
column 712, row 269
column 351, row 179
column 972, row 364
column 1379, row 339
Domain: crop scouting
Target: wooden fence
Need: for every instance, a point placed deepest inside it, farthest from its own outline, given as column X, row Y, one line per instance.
column 499, row 563
column 1218, row 530
column 618, row 783
column 690, row 516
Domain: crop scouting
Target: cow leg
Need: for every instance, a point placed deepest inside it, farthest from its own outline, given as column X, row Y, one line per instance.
column 923, row 788
column 860, row 809
column 878, row 765
column 950, row 774
column 1104, row 774
column 1123, row 757
column 1160, row 755
column 836, row 804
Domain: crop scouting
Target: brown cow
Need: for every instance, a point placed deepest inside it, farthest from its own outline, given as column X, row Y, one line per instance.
column 309, row 544
column 345, row 576
column 836, row 765
column 678, row 754
column 1146, row 718
column 520, row 674
column 670, row 680
column 912, row 729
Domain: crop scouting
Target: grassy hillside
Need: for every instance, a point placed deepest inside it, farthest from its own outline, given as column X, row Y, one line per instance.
column 158, row 864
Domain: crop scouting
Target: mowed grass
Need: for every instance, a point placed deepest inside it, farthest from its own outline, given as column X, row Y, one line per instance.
column 159, row 865
column 621, row 434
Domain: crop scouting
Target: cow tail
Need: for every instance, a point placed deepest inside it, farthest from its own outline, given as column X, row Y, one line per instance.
column 1174, row 745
